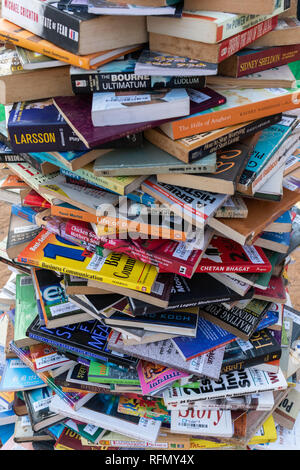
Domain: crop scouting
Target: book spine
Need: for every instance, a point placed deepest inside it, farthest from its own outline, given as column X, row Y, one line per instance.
column 207, row 122
column 11, row 158
column 46, row 21
column 73, row 213
column 267, row 58
column 241, row 40
column 108, row 82
column 43, row 138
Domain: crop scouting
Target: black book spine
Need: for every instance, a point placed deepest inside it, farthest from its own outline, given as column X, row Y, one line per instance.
column 86, row 83
column 234, row 136
column 11, row 158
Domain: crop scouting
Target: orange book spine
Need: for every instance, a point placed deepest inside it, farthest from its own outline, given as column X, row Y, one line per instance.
column 229, row 117
column 13, row 34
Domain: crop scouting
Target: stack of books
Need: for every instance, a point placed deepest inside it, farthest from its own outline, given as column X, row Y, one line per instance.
column 150, row 157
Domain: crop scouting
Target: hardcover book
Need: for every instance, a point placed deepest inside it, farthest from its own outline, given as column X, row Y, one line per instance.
column 240, row 322
column 52, row 252
column 88, row 339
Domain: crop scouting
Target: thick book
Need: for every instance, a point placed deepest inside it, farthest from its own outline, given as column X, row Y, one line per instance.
column 286, row 32
column 76, row 110
column 260, row 214
column 281, row 225
column 37, row 402
column 198, row 291
column 105, row 373
column 25, row 310
column 120, row 75
column 20, row 233
column 261, row 347
column 57, row 309
column 207, row 26
column 19, row 84
column 165, row 354
column 231, row 162
column 226, row 256
column 250, row 61
column 52, row 252
column 241, row 103
column 200, row 145
column 230, row 384
column 241, row 322
column 194, row 205
column 87, row 339
column 208, row 337
column 212, row 53
column 75, row 32
column 101, row 411
column 15, row 35
column 152, row 160
column 256, row 7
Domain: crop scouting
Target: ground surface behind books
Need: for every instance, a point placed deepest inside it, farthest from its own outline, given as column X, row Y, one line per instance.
column 293, row 270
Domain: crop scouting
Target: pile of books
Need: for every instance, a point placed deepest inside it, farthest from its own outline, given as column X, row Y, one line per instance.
column 150, row 159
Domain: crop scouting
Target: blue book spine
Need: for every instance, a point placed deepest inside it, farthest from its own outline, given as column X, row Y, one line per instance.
column 25, row 212
column 282, row 238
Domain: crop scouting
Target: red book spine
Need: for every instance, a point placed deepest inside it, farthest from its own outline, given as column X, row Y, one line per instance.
column 234, row 44
column 267, row 58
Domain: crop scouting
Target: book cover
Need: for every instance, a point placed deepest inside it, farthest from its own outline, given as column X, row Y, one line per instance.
column 57, row 309
column 120, row 75
column 230, row 384
column 260, row 348
column 276, row 241
column 25, row 309
column 37, row 402
column 270, row 140
column 88, row 339
column 200, row 145
column 207, row 423
column 165, row 354
column 195, row 206
column 231, row 162
column 240, row 322
column 250, row 61
column 122, row 107
column 152, row 160
column 13, row 34
column 26, row 212
column 18, row 377
column 110, row 374
column 153, row 377
column 42, row 18
column 44, row 357
column 148, row 408
column 225, row 255
column 198, row 291
column 208, row 338
column 240, row 104
column 20, row 233
column 206, row 26
column 52, row 252
column 103, row 409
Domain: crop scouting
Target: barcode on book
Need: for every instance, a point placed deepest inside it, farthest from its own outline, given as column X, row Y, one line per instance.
column 187, row 423
column 157, row 288
column 181, row 252
column 90, row 429
column 26, row 281
column 253, row 254
column 96, row 263
column 61, row 309
column 49, row 360
column 42, row 404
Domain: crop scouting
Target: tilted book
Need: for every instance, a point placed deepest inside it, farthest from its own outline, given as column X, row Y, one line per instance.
column 18, row 377
column 206, row 26
column 230, row 384
column 20, row 233
column 165, row 354
column 153, row 377
column 53, row 252
column 88, row 339
column 195, row 206
column 37, row 402
column 200, row 145
column 100, row 372
column 25, row 310
column 150, row 161
column 240, row 322
column 241, row 103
